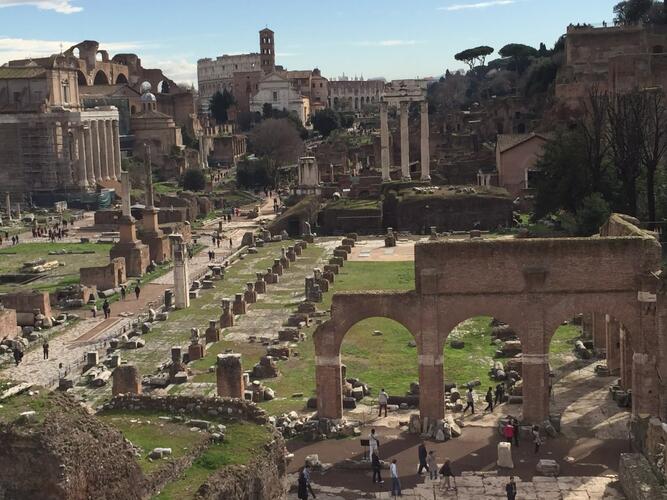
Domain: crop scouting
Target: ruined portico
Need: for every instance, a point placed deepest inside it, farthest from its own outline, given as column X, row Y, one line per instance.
column 533, row 285
column 402, row 93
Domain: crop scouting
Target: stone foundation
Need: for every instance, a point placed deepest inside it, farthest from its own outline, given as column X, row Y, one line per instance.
column 126, row 380
column 229, row 376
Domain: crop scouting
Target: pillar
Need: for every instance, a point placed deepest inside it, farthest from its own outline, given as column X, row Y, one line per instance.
column 535, row 372
column 613, row 345
column 125, row 180
column 384, row 142
column 329, row 387
column 181, row 272
column 229, row 376
column 599, row 331
column 625, row 359
column 425, row 152
column 104, row 149
column 90, row 160
column 8, row 204
column 645, row 385
column 405, row 141
column 148, row 172
column 126, row 380
column 116, row 148
column 95, row 144
column 431, row 373
column 81, row 168
column 111, row 150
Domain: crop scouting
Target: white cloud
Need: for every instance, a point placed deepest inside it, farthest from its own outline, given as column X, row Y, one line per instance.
column 286, row 54
column 180, row 70
column 61, row 6
column 478, row 5
column 387, row 43
column 22, row 48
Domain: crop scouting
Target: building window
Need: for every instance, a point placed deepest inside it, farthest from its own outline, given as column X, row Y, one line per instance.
column 17, row 97
column 275, row 96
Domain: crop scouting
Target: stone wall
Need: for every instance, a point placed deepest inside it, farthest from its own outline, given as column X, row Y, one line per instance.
column 104, row 277
column 8, row 324
column 293, row 218
column 638, row 480
column 361, row 221
column 70, row 455
column 27, row 302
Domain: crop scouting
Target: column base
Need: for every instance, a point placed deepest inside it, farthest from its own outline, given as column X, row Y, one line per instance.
column 426, row 178
column 406, row 178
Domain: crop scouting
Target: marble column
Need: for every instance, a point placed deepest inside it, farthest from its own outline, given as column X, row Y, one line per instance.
column 104, row 148
column 95, row 144
column 90, row 163
column 405, row 141
column 111, row 146
column 82, row 175
column 116, row 145
column 425, row 153
column 384, row 141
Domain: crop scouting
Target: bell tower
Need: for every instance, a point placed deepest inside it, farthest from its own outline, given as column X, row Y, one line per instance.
column 267, row 50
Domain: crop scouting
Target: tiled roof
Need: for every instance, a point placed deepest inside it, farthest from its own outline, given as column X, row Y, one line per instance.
column 9, row 73
column 508, row 141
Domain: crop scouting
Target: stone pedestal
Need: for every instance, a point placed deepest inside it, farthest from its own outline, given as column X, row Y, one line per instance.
column 212, row 333
column 291, row 254
column 229, row 376
column 298, row 250
column 284, row 261
column 135, row 253
column 277, row 267
column 151, row 235
column 250, row 296
column 126, row 380
column 505, row 455
column 260, row 284
column 196, row 351
column 239, row 305
column 226, row 318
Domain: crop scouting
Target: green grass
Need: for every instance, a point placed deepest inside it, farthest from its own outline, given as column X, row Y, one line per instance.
column 562, row 345
column 243, row 440
column 146, row 430
column 165, row 187
column 12, row 259
column 14, row 406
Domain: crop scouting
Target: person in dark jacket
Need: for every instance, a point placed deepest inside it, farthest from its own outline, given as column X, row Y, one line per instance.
column 377, row 467
column 510, row 489
column 421, row 451
column 304, row 484
column 448, row 474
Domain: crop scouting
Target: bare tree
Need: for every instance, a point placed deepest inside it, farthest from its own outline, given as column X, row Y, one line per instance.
column 625, row 136
column 277, row 140
column 654, row 144
column 594, row 126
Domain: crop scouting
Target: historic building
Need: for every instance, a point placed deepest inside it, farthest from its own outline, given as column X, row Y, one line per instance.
column 352, row 95
column 278, row 91
column 49, row 143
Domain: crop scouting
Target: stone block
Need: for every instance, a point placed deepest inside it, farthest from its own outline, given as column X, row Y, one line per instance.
column 547, row 467
column 505, row 455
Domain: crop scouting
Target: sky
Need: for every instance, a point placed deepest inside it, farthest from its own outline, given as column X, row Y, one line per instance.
column 373, row 38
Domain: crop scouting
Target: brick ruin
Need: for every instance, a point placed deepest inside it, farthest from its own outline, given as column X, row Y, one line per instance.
column 531, row 284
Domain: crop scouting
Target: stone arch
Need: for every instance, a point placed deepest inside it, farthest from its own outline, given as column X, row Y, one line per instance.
column 162, row 87
column 81, row 78
column 101, row 78
column 121, row 78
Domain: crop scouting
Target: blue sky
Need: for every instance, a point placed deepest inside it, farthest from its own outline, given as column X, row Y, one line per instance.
column 390, row 38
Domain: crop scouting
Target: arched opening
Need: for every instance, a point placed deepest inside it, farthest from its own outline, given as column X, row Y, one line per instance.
column 81, row 79
column 163, row 87
column 483, row 353
column 590, row 358
column 521, row 128
column 379, row 353
column 101, row 78
column 99, row 57
column 121, row 78
column 76, row 53
column 133, row 109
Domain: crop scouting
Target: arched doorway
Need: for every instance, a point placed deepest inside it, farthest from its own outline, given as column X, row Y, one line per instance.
column 121, row 79
column 163, row 87
column 101, row 78
column 81, row 79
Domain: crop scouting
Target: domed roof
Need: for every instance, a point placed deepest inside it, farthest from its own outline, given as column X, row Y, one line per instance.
column 146, row 95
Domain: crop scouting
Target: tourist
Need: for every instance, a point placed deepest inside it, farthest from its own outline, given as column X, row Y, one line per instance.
column 123, row 292
column 373, row 443
column 432, row 464
column 447, row 472
column 395, row 483
column 94, row 310
column 470, row 401
column 218, row 242
column 45, row 349
column 500, row 394
column 515, row 426
column 17, row 355
column 106, row 308
column 377, row 467
column 304, row 484
column 537, row 440
column 510, row 489
column 230, row 243
column 508, row 431
column 422, row 455
column 489, row 400
column 383, row 399
column 137, row 290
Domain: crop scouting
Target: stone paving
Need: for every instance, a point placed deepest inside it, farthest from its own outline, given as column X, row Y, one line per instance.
column 488, row 486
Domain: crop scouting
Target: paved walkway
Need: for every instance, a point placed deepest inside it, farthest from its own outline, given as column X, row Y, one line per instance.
column 70, row 347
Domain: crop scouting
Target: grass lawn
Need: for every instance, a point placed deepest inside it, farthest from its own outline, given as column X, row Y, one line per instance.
column 14, row 406
column 12, row 259
column 243, row 440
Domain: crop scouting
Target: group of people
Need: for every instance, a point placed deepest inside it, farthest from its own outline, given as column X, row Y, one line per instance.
column 211, row 254
column 106, row 305
column 511, row 434
column 493, row 398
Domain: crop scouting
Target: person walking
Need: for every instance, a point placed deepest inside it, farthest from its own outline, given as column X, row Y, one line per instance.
column 489, row 400
column 383, row 399
column 230, row 243
column 123, row 292
column 422, row 455
column 470, row 401
column 17, row 355
column 373, row 443
column 432, row 463
column 45, row 349
column 510, row 489
column 106, row 308
column 377, row 467
column 500, row 394
column 537, row 440
column 137, row 290
column 94, row 310
column 304, row 484
column 508, row 432
column 395, row 482
column 515, row 426
column 447, row 473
